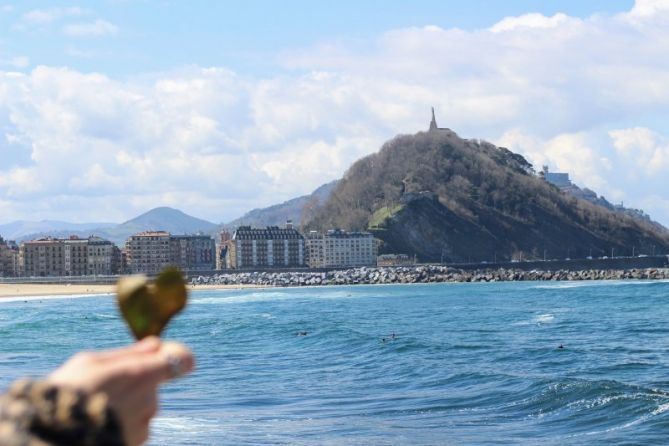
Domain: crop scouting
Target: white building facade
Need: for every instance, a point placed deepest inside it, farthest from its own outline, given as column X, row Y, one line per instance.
column 337, row 248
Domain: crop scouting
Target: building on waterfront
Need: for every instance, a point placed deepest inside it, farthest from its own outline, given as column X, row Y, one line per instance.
column 103, row 257
column 337, row 248
column 124, row 268
column 193, row 252
column 73, row 256
column 395, row 260
column 272, row 247
column 9, row 258
column 222, row 250
column 148, row 252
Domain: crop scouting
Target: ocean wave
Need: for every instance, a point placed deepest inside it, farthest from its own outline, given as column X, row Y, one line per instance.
column 539, row 319
column 596, row 283
column 544, row 318
column 49, row 297
column 226, row 297
column 458, row 372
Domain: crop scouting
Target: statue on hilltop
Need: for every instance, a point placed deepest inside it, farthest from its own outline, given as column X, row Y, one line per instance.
column 435, row 128
column 433, row 123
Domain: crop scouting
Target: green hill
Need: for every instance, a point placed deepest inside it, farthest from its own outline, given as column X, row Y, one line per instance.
column 437, row 195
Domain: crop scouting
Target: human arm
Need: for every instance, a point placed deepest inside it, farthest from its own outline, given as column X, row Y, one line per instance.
column 101, row 398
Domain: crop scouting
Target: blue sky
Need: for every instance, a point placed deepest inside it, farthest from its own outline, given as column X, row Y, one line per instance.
column 110, row 108
column 242, row 35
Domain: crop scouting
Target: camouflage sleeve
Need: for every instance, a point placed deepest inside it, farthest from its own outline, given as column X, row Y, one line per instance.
column 34, row 413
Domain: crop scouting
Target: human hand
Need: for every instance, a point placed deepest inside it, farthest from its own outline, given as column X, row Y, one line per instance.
column 129, row 376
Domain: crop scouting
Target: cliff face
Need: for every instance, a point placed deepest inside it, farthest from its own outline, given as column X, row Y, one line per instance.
column 438, row 196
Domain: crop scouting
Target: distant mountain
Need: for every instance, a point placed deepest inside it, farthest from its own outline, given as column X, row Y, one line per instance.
column 167, row 219
column 158, row 219
column 438, row 196
column 20, row 229
column 294, row 209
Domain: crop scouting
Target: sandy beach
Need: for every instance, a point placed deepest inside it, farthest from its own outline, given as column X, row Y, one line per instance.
column 32, row 289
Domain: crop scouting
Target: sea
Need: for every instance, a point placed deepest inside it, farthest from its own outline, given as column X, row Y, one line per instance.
column 431, row 364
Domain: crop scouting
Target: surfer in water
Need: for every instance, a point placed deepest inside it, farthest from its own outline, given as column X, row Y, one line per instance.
column 392, row 337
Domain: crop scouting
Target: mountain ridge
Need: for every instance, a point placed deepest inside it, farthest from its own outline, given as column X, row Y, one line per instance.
column 293, row 209
column 161, row 218
column 18, row 229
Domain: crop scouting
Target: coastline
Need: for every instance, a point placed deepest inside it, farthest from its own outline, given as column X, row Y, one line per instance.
column 419, row 274
column 9, row 290
column 353, row 276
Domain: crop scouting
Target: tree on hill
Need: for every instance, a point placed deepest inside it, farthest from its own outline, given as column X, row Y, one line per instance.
column 484, row 190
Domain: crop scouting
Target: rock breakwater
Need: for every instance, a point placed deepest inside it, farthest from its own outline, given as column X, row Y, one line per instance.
column 418, row 274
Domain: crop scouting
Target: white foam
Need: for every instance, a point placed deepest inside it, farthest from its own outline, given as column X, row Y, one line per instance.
column 539, row 319
column 543, row 318
column 662, row 408
column 597, row 283
column 224, row 297
column 183, row 424
column 49, row 297
column 560, row 286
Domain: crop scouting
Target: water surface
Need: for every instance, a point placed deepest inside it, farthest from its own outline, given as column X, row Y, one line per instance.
column 470, row 363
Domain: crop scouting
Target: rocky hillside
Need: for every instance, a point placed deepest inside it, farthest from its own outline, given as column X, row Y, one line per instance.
column 439, row 196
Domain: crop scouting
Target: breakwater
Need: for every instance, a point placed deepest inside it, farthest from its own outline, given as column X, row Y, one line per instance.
column 419, row 274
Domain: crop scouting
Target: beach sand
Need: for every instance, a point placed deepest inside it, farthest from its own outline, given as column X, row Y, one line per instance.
column 32, row 289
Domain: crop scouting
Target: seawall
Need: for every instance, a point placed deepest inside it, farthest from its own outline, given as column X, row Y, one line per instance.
column 421, row 274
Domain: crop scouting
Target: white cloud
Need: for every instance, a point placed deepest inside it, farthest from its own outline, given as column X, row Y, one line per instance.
column 642, row 149
column 533, row 20
column 649, row 7
column 44, row 16
column 575, row 153
column 95, row 28
column 563, row 91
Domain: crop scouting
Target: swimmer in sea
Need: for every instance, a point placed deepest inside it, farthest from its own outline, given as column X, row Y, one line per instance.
column 560, row 346
column 302, row 333
column 392, row 337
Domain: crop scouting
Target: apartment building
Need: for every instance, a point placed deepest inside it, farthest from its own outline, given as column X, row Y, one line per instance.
column 148, row 252
column 151, row 251
column 193, row 252
column 9, row 258
column 68, row 257
column 102, row 257
column 337, row 248
column 222, row 258
column 272, row 247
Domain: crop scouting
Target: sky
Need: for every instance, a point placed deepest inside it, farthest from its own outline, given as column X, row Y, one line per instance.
column 110, row 108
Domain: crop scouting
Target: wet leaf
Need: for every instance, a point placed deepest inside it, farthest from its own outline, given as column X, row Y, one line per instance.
column 147, row 307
